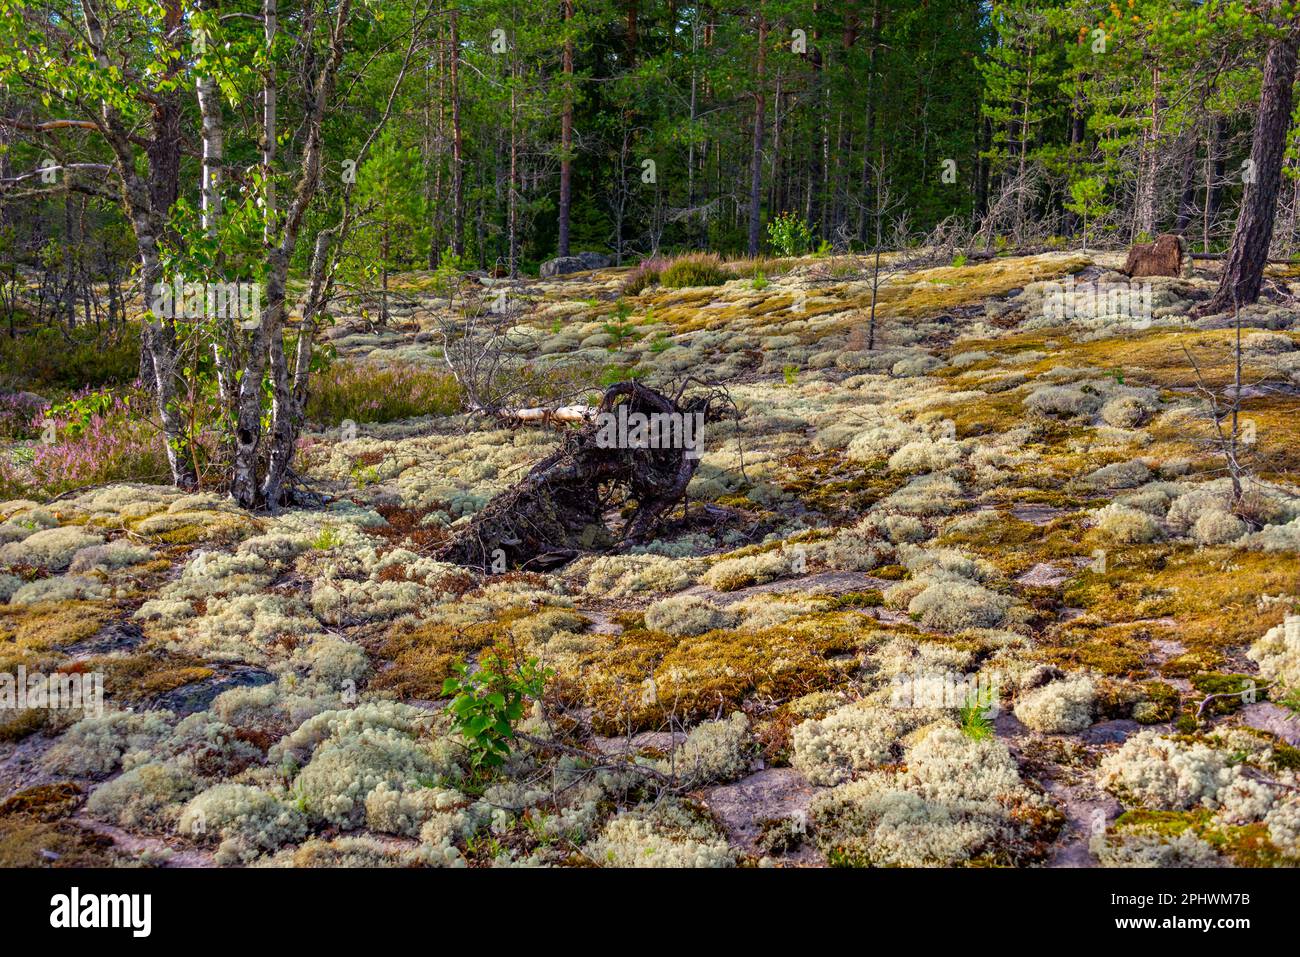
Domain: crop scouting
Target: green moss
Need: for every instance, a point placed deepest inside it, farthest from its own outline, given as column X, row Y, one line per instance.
column 45, row 802
column 892, row 573
column 1213, row 683
column 52, row 625
column 872, row 598
column 14, row 726
column 1158, row 703
column 1246, row 845
column 1285, row 757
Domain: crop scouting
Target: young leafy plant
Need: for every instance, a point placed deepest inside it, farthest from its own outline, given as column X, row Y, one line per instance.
column 489, row 702
column 789, row 234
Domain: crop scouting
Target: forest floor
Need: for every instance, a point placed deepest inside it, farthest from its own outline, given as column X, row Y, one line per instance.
column 987, row 495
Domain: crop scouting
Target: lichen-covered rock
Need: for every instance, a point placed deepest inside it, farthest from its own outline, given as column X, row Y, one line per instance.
column 51, row 548
column 958, row 799
column 1278, row 653
column 247, row 821
column 687, row 615
column 149, row 797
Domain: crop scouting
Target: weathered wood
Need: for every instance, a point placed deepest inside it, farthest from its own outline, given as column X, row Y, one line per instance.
column 557, row 511
column 1164, row 257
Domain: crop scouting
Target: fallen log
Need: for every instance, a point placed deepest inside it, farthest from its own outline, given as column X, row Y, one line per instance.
column 603, row 467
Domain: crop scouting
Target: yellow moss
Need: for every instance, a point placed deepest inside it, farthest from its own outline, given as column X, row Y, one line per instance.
column 25, row 842
column 422, row 656
column 829, row 482
column 987, row 416
column 1014, row 546
column 1211, row 593
column 639, row 679
column 931, row 291
column 52, row 624
column 1119, row 650
column 1275, row 453
column 35, row 831
column 16, row 725
column 45, row 802
column 1156, row 357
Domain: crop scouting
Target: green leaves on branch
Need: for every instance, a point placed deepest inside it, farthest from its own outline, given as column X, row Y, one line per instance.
column 488, row 703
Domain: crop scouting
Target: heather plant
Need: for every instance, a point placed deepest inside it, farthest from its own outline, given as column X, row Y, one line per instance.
column 701, row 269
column 646, row 274
column 112, row 442
column 20, row 415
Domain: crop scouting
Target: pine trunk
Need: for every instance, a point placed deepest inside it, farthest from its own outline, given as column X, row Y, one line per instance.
column 1243, row 272
column 756, row 161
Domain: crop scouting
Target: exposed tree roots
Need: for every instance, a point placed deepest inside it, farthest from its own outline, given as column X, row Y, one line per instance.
column 558, row 510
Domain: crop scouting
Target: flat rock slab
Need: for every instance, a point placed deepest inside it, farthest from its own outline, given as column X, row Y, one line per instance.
column 1007, row 725
column 1110, row 732
column 1088, row 812
column 661, row 741
column 1038, row 514
column 176, row 856
column 115, row 636
column 1045, row 575
column 199, row 695
column 772, row 793
column 804, row 586
column 1162, row 649
column 1265, row 716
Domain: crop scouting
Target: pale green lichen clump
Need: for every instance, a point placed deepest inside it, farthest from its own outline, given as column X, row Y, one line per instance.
column 670, row 834
column 1059, row 707
column 957, row 799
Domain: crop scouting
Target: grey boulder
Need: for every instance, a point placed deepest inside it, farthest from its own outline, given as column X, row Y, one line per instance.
column 566, row 264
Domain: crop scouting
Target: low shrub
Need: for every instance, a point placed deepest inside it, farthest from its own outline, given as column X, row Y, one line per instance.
column 699, row 269
column 48, row 360
column 119, row 444
column 646, row 274
column 368, row 392
column 20, row 415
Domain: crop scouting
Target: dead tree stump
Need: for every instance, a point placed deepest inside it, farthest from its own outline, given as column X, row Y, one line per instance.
column 557, row 511
column 1164, row 257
